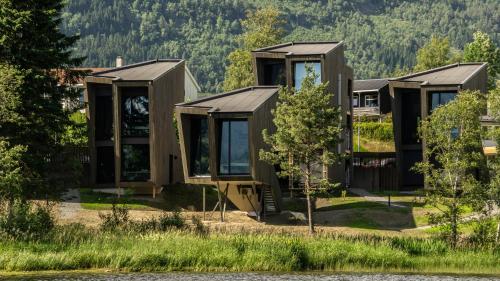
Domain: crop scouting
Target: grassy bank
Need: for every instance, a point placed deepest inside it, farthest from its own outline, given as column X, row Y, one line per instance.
column 185, row 251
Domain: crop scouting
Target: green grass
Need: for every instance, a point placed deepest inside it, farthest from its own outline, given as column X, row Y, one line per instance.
column 186, row 251
column 102, row 201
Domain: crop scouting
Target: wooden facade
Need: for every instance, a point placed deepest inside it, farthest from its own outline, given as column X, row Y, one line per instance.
column 252, row 105
column 412, row 99
column 159, row 85
column 333, row 70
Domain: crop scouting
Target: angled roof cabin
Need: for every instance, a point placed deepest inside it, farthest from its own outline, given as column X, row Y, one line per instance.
column 413, row 98
column 285, row 65
column 371, row 97
column 221, row 136
column 131, row 134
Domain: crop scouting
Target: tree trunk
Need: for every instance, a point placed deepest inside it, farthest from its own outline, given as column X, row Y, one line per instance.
column 309, row 203
column 497, row 237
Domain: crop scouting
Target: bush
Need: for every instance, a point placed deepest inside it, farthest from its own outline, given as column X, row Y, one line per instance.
column 375, row 130
column 26, row 222
column 118, row 218
column 484, row 233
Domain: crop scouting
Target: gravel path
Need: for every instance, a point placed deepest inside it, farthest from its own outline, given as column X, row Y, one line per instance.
column 70, row 206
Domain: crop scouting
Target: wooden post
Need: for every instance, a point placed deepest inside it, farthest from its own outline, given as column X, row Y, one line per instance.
column 220, row 203
column 204, row 201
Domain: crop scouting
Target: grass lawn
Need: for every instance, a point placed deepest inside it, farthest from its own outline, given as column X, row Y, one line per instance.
column 92, row 200
column 369, row 145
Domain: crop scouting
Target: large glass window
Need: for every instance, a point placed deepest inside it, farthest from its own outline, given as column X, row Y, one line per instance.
column 371, row 101
column 103, row 118
column 135, row 112
column 274, row 72
column 105, row 172
column 233, row 155
column 300, row 72
column 135, row 162
column 199, row 156
column 440, row 98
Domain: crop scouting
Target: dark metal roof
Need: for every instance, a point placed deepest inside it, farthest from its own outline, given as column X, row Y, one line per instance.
column 144, row 71
column 241, row 100
column 453, row 74
column 369, row 85
column 302, row 48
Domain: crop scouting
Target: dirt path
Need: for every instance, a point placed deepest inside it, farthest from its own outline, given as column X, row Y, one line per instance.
column 70, row 206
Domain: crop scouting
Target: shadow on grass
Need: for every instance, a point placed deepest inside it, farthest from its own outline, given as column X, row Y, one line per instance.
column 353, row 213
column 173, row 197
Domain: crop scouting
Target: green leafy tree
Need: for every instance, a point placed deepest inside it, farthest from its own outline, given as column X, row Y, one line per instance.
column 307, row 129
column 261, row 28
column 435, row 53
column 12, row 174
column 483, row 49
column 76, row 133
column 32, row 41
column 494, row 162
column 452, row 137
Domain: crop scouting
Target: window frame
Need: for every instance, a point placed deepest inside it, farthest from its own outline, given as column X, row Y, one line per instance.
column 220, row 122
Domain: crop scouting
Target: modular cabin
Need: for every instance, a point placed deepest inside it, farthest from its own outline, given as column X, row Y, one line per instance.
column 220, row 138
column 132, row 138
column 413, row 97
column 489, row 124
column 285, row 65
column 370, row 98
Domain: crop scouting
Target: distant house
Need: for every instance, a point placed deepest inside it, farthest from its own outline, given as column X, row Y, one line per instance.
column 414, row 97
column 285, row 65
column 132, row 138
column 488, row 123
column 370, row 98
column 220, row 138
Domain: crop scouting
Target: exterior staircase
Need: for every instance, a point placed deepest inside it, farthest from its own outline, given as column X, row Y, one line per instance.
column 269, row 203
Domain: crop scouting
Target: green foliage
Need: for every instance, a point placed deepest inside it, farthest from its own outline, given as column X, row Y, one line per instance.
column 452, row 135
column 24, row 221
column 261, row 28
column 382, row 131
column 33, row 45
column 76, row 132
column 308, row 130
column 483, row 49
column 12, row 172
column 380, row 35
column 435, row 53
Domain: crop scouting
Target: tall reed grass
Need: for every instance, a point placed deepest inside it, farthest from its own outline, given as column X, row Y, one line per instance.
column 78, row 248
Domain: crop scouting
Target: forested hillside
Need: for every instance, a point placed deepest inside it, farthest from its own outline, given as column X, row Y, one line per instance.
column 380, row 35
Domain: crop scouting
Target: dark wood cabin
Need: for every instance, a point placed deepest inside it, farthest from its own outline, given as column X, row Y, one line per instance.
column 413, row 98
column 370, row 98
column 220, row 138
column 130, row 112
column 285, row 64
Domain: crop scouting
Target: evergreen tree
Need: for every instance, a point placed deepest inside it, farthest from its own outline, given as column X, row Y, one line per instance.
column 452, row 135
column 483, row 49
column 33, row 44
column 307, row 129
column 261, row 28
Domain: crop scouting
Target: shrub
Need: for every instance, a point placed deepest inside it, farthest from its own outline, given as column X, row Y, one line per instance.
column 26, row 222
column 199, row 227
column 118, row 218
column 167, row 221
column 375, row 130
column 483, row 234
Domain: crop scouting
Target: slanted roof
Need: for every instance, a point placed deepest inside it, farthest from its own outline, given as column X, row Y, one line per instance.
column 369, row 85
column 241, row 100
column 302, row 48
column 453, row 74
column 144, row 71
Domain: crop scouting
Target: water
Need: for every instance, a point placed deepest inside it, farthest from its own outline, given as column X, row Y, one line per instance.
column 246, row 277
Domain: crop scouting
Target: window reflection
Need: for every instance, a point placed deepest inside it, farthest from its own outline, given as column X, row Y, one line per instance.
column 135, row 162
column 103, row 117
column 300, row 72
column 234, row 156
column 199, row 147
column 135, row 115
column 437, row 99
column 371, row 101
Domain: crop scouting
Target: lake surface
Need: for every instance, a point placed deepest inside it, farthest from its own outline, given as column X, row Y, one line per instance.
column 247, row 277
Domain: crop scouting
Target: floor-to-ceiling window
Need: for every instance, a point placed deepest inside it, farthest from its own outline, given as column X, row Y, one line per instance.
column 273, row 72
column 199, row 149
column 135, row 160
column 104, row 141
column 234, row 148
column 300, row 72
